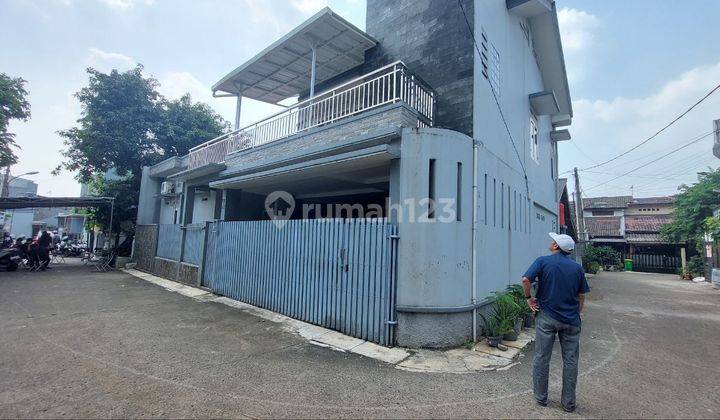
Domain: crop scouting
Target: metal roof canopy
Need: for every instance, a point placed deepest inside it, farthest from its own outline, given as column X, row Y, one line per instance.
column 283, row 69
column 9, row 203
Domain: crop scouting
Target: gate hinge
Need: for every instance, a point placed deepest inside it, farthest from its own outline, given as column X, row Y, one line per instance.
column 391, row 322
column 393, row 236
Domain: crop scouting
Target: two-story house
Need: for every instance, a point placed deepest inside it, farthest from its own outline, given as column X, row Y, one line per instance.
column 416, row 174
column 632, row 225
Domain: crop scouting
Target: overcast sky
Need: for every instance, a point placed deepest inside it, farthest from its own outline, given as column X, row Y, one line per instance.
column 633, row 66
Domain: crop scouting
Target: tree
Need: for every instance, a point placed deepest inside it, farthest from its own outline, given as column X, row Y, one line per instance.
column 120, row 113
column 692, row 207
column 13, row 105
column 185, row 125
column 126, row 124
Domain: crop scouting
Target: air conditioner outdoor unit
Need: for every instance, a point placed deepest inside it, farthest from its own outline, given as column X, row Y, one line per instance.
column 171, row 188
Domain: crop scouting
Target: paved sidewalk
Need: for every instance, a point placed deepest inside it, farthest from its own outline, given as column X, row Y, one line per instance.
column 74, row 343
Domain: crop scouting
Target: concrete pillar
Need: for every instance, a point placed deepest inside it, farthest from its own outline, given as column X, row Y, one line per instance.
column 149, row 199
column 238, row 108
column 312, row 71
column 683, row 259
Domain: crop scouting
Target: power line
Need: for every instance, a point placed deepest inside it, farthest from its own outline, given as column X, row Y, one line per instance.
column 654, row 160
column 497, row 102
column 713, row 90
column 677, row 172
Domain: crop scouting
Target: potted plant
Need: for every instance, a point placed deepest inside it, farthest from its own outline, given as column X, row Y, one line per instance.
column 509, row 313
column 492, row 330
column 527, row 314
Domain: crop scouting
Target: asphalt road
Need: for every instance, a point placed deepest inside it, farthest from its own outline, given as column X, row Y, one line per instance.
column 74, row 343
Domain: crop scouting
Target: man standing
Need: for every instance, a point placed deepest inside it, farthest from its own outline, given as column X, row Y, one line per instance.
column 44, row 243
column 560, row 297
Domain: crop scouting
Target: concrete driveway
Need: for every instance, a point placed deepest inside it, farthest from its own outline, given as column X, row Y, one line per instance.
column 74, row 343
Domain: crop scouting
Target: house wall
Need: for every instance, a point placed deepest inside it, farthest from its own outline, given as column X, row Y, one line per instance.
column 434, row 255
column 615, row 213
column 528, row 200
column 20, row 222
column 149, row 204
column 204, row 206
column 433, row 40
column 168, row 208
column 648, row 209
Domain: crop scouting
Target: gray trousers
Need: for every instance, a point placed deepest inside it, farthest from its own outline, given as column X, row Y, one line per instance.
column 545, row 330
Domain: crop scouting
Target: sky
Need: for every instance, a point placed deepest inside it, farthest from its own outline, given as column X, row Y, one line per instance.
column 633, row 66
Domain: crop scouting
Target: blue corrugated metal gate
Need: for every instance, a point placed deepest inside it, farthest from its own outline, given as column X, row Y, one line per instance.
column 337, row 273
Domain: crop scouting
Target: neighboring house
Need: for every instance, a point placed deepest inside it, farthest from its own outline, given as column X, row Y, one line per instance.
column 72, row 224
column 404, row 129
column 19, row 222
column 565, row 209
column 632, row 226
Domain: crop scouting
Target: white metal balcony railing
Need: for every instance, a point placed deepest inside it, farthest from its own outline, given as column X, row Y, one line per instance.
column 389, row 84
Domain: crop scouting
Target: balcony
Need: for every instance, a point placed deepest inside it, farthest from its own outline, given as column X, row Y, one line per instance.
column 387, row 85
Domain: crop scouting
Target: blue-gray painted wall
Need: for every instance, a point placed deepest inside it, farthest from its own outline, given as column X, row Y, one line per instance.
column 507, row 250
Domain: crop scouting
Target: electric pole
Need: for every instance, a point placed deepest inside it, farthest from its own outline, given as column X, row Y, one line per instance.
column 5, row 183
column 582, row 233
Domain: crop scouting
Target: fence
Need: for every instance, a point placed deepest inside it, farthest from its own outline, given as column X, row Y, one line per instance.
column 337, row 273
column 193, row 244
column 389, row 84
column 144, row 246
column 656, row 263
column 169, row 242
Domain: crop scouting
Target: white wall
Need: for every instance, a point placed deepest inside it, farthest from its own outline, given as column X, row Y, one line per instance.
column 168, row 208
column 616, row 213
column 20, row 223
column 204, row 206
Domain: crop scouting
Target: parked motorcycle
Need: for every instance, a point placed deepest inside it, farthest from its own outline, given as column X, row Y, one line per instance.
column 9, row 259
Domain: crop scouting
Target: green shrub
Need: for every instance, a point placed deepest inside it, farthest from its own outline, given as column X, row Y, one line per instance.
column 696, row 266
column 592, row 267
column 502, row 316
column 599, row 256
column 518, row 294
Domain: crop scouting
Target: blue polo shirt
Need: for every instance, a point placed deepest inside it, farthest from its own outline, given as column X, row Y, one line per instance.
column 560, row 280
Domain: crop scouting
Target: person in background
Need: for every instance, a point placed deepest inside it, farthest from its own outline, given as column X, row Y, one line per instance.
column 21, row 247
column 560, row 297
column 44, row 243
column 6, row 240
column 33, row 254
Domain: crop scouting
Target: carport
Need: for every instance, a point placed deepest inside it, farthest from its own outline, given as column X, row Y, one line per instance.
column 11, row 203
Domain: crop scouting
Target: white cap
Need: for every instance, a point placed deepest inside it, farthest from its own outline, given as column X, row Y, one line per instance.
column 565, row 242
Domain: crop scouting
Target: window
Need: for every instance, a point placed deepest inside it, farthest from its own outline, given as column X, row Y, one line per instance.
column 534, row 152
column 602, row 212
column 431, row 189
column 490, row 60
column 495, row 70
column 458, row 193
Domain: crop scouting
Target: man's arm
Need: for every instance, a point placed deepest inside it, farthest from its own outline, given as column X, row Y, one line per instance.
column 581, row 298
column 531, row 301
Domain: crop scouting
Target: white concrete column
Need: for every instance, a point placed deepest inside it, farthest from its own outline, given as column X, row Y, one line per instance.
column 238, row 107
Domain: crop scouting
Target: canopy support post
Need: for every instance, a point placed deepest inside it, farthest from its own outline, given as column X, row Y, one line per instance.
column 112, row 211
column 312, row 70
column 238, row 107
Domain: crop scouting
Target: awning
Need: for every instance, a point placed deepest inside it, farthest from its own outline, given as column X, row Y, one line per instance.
column 9, row 203
column 283, row 70
column 549, row 53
